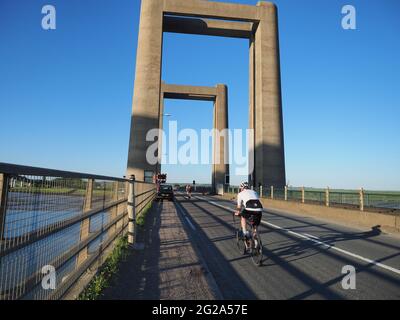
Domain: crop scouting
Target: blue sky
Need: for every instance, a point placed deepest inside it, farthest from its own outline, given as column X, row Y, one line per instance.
column 65, row 94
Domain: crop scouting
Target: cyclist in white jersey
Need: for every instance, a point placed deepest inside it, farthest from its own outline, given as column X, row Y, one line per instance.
column 249, row 207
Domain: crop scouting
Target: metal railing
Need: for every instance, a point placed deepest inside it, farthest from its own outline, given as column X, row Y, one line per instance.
column 353, row 199
column 59, row 220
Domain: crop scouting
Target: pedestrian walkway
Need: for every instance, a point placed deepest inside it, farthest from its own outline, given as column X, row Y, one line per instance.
column 168, row 267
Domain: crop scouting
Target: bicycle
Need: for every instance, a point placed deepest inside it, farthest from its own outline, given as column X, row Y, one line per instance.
column 253, row 245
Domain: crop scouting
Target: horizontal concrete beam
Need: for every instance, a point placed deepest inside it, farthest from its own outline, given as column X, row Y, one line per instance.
column 210, row 9
column 183, row 96
column 208, row 27
column 172, row 91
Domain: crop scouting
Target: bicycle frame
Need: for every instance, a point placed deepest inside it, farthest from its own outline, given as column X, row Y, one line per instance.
column 251, row 244
column 253, row 228
column 254, row 231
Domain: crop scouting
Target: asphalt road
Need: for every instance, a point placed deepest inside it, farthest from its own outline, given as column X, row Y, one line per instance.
column 304, row 256
column 168, row 268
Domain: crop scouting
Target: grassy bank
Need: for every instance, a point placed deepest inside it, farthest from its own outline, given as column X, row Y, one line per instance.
column 141, row 218
column 110, row 267
column 107, row 270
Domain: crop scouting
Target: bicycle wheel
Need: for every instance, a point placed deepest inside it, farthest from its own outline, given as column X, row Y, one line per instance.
column 240, row 243
column 256, row 250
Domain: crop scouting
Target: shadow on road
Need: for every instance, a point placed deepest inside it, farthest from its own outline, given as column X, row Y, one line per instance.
column 138, row 276
column 230, row 283
column 342, row 236
column 299, row 247
column 316, row 286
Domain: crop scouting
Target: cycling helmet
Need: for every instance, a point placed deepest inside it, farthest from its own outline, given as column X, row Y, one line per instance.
column 244, row 185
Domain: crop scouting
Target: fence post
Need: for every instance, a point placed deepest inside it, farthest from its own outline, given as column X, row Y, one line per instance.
column 4, row 179
column 327, row 196
column 261, row 191
column 302, row 194
column 272, row 192
column 362, row 199
column 131, row 211
column 285, row 193
column 85, row 224
column 89, row 195
column 114, row 210
column 115, row 194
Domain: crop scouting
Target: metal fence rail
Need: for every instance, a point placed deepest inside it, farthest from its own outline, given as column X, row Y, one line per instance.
column 57, row 219
column 359, row 199
column 382, row 200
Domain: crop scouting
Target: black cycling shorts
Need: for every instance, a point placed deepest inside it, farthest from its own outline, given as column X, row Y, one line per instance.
column 254, row 217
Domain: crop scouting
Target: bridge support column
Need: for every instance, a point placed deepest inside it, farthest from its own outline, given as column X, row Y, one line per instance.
column 267, row 109
column 251, row 146
column 146, row 96
column 161, row 128
column 220, row 166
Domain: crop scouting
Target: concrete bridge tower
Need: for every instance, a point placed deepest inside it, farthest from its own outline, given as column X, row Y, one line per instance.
column 258, row 24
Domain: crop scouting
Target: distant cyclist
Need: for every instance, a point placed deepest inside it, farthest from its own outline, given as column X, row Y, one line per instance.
column 189, row 191
column 249, row 207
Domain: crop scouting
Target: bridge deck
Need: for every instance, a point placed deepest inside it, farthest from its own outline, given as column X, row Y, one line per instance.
column 304, row 257
column 168, row 268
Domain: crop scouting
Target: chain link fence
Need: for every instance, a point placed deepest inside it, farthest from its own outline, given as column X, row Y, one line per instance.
column 60, row 221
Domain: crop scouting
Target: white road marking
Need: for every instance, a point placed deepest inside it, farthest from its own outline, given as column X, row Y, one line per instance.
column 315, row 239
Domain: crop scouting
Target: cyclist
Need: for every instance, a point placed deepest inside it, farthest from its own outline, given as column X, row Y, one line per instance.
column 189, row 191
column 249, row 207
